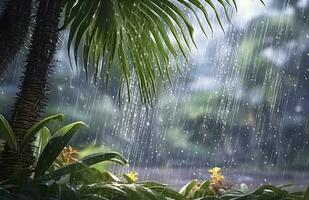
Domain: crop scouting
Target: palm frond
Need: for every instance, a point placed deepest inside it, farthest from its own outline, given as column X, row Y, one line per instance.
column 135, row 38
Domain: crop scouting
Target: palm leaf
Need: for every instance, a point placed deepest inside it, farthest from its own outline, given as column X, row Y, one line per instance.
column 141, row 37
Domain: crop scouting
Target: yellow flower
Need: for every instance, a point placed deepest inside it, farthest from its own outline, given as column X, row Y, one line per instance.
column 215, row 170
column 69, row 155
column 133, row 176
column 216, row 179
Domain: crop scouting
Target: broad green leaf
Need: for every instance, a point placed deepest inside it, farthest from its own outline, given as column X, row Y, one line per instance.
column 7, row 134
column 132, row 192
column 109, row 177
column 150, row 194
column 35, row 129
column 87, row 175
column 128, row 192
column 271, row 188
column 107, row 190
column 150, row 184
column 167, row 192
column 55, row 145
column 203, row 190
column 185, row 190
column 83, row 163
column 44, row 137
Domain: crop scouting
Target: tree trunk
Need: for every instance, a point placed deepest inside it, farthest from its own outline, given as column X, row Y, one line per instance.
column 14, row 26
column 32, row 97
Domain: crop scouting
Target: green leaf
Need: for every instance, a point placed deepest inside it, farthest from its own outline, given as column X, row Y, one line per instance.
column 68, row 192
column 306, row 195
column 169, row 193
column 87, row 175
column 5, row 194
column 7, row 134
column 110, row 191
column 44, row 137
column 35, row 129
column 271, row 188
column 150, row 184
column 83, row 163
column 204, row 190
column 123, row 39
column 109, row 177
column 185, row 190
column 55, row 145
column 149, row 194
column 130, row 192
column 136, row 191
column 93, row 197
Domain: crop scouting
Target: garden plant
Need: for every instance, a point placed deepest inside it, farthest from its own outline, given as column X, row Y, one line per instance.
column 59, row 173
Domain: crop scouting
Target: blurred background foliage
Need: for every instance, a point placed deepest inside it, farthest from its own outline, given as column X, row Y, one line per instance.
column 259, row 117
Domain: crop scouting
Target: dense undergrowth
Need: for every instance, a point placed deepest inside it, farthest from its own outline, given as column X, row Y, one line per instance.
column 59, row 173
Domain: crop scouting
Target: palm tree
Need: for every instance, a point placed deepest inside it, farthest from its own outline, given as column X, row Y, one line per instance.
column 137, row 38
column 32, row 98
column 14, row 25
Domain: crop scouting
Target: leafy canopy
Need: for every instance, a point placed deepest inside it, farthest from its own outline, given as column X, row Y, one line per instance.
column 135, row 38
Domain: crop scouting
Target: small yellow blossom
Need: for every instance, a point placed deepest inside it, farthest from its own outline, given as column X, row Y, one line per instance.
column 69, row 155
column 215, row 170
column 133, row 176
column 216, row 179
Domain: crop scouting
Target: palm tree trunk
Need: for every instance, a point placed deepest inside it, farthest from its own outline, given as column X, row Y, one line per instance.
column 32, row 97
column 14, row 26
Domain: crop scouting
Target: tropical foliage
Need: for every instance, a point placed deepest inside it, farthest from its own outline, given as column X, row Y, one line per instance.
column 60, row 174
column 141, row 37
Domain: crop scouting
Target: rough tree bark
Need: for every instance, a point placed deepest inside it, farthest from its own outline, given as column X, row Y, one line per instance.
column 32, row 96
column 14, row 26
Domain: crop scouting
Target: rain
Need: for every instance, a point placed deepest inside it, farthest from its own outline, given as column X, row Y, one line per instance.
column 240, row 102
